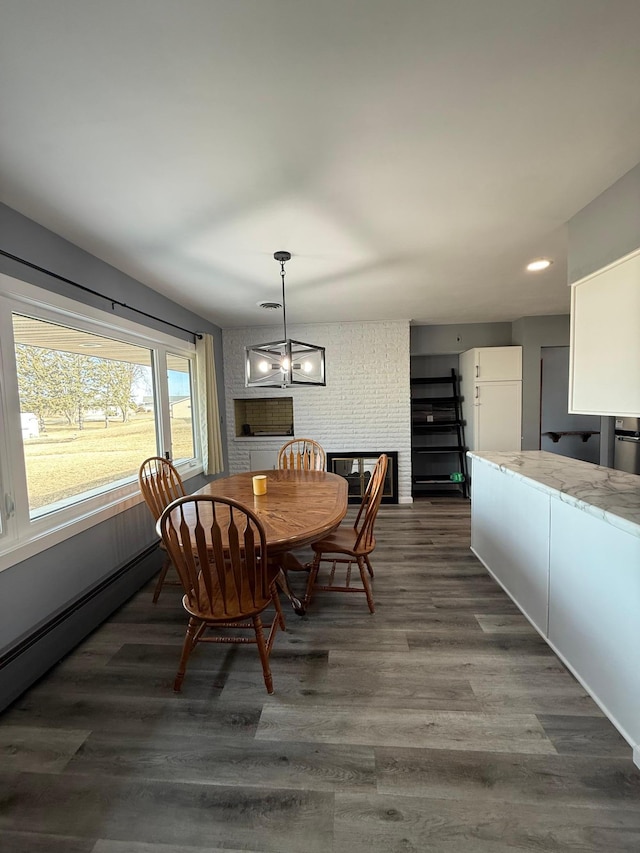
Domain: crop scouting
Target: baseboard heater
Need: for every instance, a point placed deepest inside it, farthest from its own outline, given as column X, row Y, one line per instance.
column 33, row 655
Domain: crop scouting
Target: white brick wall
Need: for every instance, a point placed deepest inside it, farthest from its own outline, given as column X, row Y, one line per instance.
column 364, row 406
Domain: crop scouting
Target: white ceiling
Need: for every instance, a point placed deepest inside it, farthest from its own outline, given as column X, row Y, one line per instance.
column 412, row 155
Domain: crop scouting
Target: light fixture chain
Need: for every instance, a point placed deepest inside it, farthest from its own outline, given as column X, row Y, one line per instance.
column 284, row 305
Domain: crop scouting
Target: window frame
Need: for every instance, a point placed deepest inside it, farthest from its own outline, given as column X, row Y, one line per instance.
column 21, row 536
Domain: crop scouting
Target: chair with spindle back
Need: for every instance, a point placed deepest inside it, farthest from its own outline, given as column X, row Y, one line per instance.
column 160, row 484
column 219, row 549
column 302, row 454
column 349, row 545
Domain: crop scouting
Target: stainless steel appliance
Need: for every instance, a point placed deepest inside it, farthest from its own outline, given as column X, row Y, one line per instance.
column 626, row 449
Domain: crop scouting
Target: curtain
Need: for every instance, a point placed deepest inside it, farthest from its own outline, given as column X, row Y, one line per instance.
column 212, row 459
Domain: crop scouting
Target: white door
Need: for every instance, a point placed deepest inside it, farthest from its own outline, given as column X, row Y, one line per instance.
column 498, row 415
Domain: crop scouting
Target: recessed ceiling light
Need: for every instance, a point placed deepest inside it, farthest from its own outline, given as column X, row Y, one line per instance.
column 539, row 264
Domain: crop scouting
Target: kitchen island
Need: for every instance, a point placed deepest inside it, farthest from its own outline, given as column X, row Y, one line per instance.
column 562, row 537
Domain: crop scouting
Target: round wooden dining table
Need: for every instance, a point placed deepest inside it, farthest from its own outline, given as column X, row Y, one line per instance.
column 299, row 507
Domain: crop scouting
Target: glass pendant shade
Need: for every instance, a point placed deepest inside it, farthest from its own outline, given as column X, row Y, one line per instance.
column 283, row 363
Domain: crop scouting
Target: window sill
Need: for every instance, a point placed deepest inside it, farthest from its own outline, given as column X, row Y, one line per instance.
column 19, row 550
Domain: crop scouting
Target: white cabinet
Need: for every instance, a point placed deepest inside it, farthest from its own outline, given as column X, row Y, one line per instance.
column 491, row 390
column 574, row 575
column 495, row 419
column 263, row 460
column 510, row 534
column 491, row 364
column 594, row 602
column 604, row 375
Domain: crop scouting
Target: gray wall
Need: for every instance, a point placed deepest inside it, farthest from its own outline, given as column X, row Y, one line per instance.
column 42, row 586
column 606, row 229
column 456, row 338
column 533, row 333
column 555, row 411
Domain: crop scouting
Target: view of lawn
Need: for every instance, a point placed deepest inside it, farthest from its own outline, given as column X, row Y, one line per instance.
column 66, row 461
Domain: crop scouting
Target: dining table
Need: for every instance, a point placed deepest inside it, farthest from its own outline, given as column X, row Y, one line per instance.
column 298, row 508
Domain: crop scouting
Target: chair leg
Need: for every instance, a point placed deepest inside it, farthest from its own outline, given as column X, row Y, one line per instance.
column 369, row 566
column 163, row 573
column 313, row 574
column 264, row 654
column 362, row 565
column 276, row 603
column 194, row 630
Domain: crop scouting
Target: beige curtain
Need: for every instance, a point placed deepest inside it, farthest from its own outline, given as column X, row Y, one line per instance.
column 212, row 458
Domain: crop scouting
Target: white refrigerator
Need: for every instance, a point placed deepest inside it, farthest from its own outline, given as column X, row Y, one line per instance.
column 491, row 390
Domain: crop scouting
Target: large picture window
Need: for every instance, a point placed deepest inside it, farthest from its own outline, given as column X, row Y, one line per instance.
column 86, row 410
column 84, row 399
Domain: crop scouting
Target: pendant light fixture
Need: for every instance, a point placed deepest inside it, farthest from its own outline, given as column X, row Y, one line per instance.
column 283, row 363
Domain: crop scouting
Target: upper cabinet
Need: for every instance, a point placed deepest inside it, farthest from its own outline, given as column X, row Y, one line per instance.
column 604, row 377
column 491, row 364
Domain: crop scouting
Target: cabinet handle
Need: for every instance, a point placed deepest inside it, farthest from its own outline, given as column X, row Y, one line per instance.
column 477, row 394
column 477, row 371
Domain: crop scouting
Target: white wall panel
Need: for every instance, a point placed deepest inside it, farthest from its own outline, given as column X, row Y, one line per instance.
column 510, row 534
column 594, row 609
column 364, row 405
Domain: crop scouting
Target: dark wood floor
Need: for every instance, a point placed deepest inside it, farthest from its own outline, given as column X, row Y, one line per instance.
column 442, row 723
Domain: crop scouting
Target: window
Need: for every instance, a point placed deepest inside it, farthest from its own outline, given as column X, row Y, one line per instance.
column 83, row 419
column 181, row 406
column 84, row 399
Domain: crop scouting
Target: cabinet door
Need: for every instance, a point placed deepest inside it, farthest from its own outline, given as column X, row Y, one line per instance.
column 604, row 376
column 594, row 600
column 497, row 416
column 263, row 460
column 497, row 363
column 510, row 534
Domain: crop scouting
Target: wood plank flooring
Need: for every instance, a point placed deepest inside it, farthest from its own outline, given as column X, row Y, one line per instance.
column 441, row 723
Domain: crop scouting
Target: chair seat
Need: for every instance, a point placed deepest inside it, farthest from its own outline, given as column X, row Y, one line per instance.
column 342, row 541
column 234, row 608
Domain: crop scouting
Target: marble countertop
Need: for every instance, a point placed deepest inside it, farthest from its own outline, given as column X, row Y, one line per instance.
column 613, row 496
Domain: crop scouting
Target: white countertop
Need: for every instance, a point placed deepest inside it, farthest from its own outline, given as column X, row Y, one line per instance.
column 613, row 496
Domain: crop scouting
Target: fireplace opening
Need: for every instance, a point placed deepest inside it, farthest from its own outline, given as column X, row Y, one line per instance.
column 356, row 468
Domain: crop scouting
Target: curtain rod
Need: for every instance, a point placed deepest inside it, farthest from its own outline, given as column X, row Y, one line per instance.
column 95, row 293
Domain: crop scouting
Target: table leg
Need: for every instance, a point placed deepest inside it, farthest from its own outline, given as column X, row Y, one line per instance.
column 283, row 583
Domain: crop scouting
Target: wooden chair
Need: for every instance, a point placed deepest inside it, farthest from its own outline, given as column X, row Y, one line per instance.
column 219, row 549
column 303, row 454
column 349, row 545
column 160, row 484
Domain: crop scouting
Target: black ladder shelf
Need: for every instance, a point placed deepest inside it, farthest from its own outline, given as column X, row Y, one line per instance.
column 438, row 452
